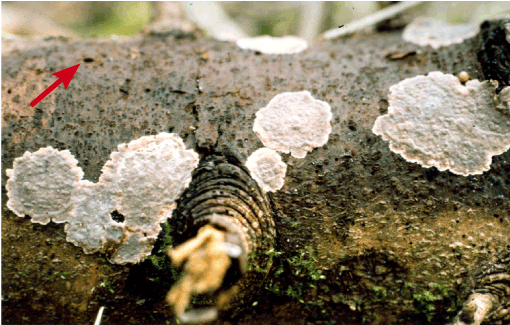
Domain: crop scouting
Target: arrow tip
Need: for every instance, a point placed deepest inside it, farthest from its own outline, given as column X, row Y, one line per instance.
column 67, row 74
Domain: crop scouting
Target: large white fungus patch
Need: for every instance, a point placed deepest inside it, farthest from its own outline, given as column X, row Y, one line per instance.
column 294, row 122
column 436, row 121
column 273, row 45
column 141, row 181
column 267, row 169
column 436, row 33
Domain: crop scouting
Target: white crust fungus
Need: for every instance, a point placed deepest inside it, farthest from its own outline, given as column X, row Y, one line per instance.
column 436, row 33
column 273, row 45
column 90, row 224
column 267, row 169
column 47, row 173
column 503, row 100
column 141, row 181
column 294, row 122
column 150, row 173
column 436, row 121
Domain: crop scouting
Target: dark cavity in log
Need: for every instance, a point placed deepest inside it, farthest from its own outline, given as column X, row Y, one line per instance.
column 494, row 52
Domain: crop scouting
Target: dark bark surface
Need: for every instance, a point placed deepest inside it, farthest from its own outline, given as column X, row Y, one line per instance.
column 494, row 51
column 382, row 231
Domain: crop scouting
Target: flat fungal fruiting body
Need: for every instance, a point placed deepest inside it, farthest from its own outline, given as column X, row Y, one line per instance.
column 41, row 184
column 433, row 120
column 294, row 122
column 503, row 101
column 224, row 196
column 273, row 45
column 267, row 168
column 429, row 31
column 141, row 181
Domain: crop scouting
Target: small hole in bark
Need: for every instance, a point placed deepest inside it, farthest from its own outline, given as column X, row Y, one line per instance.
column 352, row 125
column 88, row 60
column 116, row 216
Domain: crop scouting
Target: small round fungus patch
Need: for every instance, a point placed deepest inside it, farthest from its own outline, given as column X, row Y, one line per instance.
column 436, row 121
column 273, row 45
column 294, row 122
column 436, row 33
column 267, row 169
column 41, row 183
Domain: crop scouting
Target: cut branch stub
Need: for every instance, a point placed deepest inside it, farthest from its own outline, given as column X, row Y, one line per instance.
column 489, row 300
column 223, row 198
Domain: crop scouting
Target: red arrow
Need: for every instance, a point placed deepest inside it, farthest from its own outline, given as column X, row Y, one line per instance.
column 64, row 76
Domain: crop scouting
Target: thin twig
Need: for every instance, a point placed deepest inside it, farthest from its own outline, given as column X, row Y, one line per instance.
column 99, row 315
column 370, row 20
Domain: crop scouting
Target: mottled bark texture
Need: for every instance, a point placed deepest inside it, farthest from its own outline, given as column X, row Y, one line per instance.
column 396, row 242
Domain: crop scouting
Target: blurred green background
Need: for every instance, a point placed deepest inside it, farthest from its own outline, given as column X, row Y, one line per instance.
column 305, row 19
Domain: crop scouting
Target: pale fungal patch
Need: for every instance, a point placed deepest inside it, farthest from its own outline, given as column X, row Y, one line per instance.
column 151, row 173
column 503, row 100
column 135, row 247
column 47, row 173
column 436, row 121
column 294, row 122
column 273, row 45
column 267, row 169
column 90, row 224
column 436, row 33
column 142, row 181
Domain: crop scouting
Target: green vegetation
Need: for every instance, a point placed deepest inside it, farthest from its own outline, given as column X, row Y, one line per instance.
column 427, row 302
column 380, row 293
column 304, row 275
column 61, row 274
column 269, row 255
column 107, row 284
column 120, row 18
column 303, row 265
column 160, row 260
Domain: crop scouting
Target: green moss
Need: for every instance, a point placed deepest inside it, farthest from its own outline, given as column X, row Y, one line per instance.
column 269, row 255
column 107, row 284
column 160, row 260
column 303, row 276
column 61, row 274
column 436, row 299
column 303, row 265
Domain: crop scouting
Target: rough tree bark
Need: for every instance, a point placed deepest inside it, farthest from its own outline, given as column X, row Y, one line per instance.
column 396, row 242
